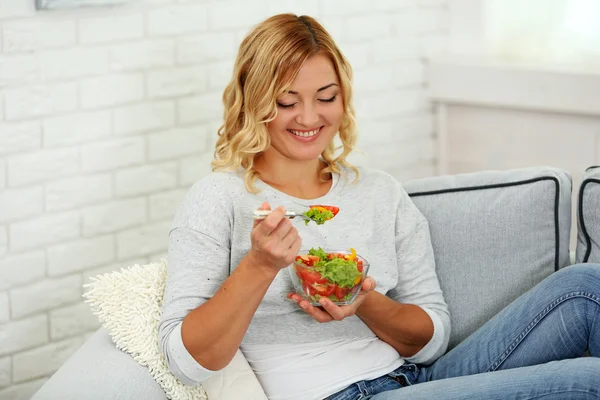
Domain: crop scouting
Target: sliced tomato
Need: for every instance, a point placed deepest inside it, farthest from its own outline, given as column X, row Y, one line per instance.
column 325, row 290
column 359, row 265
column 307, row 259
column 310, row 276
column 340, row 292
column 333, row 209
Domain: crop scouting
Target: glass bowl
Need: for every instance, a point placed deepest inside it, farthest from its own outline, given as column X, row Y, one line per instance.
column 340, row 281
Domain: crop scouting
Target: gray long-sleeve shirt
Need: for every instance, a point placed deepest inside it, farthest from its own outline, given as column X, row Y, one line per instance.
column 211, row 234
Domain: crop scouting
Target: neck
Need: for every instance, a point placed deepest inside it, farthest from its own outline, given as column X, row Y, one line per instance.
column 297, row 178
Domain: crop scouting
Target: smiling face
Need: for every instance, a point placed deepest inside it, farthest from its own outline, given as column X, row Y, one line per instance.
column 309, row 114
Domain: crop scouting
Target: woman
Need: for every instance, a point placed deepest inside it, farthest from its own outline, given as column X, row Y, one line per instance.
column 289, row 97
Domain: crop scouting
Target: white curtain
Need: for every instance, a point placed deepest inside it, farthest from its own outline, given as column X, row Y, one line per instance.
column 544, row 31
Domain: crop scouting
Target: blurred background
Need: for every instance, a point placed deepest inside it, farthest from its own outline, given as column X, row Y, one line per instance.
column 109, row 111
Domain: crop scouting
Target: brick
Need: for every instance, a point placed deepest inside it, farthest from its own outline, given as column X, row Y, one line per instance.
column 20, row 136
column 143, row 241
column 374, row 78
column 194, row 168
column 112, row 154
column 111, row 28
column 111, row 90
column 4, row 313
column 12, row 9
column 69, row 129
column 360, row 55
column 45, row 295
column 3, row 241
column 41, row 231
column 368, row 27
column 306, row 7
column 2, row 175
column 5, row 371
column 72, row 63
column 423, row 21
column 20, row 203
column 176, row 143
column 142, row 55
column 42, row 165
column 386, row 50
column 43, row 360
column 115, row 266
column 20, row 269
column 347, row 8
column 391, row 5
column 19, row 69
column 219, row 75
column 228, row 15
column 206, row 47
column 72, row 321
column 36, row 34
column 114, row 216
column 410, row 74
column 39, row 101
column 176, row 81
column 146, row 179
column 175, row 20
column 143, row 117
column 73, row 193
column 23, row 334
column 163, row 205
column 432, row 3
column 24, row 391
column 70, row 257
column 200, row 108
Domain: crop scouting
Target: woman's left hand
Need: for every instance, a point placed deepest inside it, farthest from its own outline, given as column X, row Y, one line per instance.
column 331, row 312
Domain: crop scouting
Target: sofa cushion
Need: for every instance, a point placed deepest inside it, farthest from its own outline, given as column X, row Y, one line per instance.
column 588, row 217
column 495, row 235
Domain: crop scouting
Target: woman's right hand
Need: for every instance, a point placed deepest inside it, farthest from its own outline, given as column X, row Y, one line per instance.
column 275, row 241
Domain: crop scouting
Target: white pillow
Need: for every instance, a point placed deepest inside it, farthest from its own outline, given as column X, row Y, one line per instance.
column 128, row 303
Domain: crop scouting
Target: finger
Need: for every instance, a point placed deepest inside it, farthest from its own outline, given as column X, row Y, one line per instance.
column 368, row 284
column 264, row 206
column 318, row 315
column 336, row 312
column 290, row 237
column 271, row 222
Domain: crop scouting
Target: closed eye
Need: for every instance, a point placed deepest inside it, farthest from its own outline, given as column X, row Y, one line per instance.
column 330, row 100
column 285, row 105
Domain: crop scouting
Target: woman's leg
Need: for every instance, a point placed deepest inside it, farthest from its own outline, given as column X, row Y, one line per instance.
column 576, row 379
column 557, row 319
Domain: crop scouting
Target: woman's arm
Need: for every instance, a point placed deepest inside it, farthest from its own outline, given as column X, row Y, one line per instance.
column 212, row 333
column 405, row 327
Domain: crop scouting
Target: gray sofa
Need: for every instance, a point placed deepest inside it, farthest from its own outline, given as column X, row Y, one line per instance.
column 495, row 235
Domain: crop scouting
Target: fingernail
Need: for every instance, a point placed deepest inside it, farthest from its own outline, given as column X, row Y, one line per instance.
column 303, row 306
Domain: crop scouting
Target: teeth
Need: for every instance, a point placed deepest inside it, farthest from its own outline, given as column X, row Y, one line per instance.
column 305, row 134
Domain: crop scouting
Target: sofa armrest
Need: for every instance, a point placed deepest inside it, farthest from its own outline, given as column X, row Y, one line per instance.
column 99, row 371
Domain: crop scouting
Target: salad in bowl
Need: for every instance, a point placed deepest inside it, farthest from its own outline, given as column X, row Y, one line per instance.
column 337, row 275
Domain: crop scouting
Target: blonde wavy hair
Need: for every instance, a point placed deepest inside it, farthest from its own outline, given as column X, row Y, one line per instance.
column 267, row 63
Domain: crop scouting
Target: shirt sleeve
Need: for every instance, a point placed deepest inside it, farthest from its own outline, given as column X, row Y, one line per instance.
column 199, row 262
column 417, row 279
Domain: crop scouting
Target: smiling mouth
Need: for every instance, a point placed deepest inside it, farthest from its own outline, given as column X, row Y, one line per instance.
column 305, row 134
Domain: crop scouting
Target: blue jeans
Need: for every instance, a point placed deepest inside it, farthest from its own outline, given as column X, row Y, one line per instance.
column 531, row 350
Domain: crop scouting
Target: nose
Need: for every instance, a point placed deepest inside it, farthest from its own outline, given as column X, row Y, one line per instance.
column 308, row 116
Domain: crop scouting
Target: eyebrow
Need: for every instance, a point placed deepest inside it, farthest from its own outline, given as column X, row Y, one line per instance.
column 318, row 90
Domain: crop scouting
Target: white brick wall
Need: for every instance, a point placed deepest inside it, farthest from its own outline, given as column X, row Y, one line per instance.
column 109, row 114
